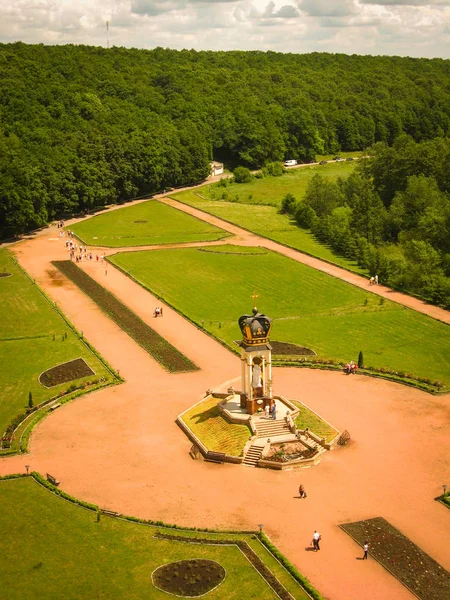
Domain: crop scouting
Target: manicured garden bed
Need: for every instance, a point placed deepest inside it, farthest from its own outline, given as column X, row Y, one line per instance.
column 214, row 431
column 159, row 348
column 147, row 223
column 287, row 349
column 421, row 574
column 257, row 563
column 68, row 371
column 308, row 419
column 189, row 578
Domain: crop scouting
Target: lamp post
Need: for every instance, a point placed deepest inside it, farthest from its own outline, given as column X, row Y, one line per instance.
column 444, row 487
column 260, row 525
column 27, row 468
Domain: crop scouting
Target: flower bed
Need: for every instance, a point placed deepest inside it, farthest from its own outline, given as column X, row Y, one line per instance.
column 188, row 578
column 423, row 383
column 161, row 350
column 287, row 349
column 422, row 575
column 264, row 571
column 69, row 371
column 288, row 451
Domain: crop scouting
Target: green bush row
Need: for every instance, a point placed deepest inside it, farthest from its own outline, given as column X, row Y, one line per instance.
column 302, row 580
column 38, row 477
column 41, row 411
column 12, row 476
column 421, row 383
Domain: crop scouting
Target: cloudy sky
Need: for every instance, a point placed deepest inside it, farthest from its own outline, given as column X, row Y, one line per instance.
column 401, row 27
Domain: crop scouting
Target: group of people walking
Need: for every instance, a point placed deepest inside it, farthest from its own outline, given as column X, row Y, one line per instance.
column 271, row 412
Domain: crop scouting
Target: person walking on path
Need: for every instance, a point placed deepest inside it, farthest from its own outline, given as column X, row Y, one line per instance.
column 316, row 539
column 366, row 550
column 301, row 491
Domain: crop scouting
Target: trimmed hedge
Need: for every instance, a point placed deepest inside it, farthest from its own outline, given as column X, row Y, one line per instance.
column 421, row 383
column 303, row 581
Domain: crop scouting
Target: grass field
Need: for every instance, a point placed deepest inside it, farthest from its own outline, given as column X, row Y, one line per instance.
column 271, row 190
column 55, row 549
column 147, row 223
column 308, row 307
column 32, row 340
column 214, row 431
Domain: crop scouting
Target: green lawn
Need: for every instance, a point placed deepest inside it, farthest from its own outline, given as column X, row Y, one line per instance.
column 31, row 341
column 56, row 549
column 271, row 190
column 308, row 307
column 214, row 431
column 307, row 418
column 268, row 222
column 147, row 223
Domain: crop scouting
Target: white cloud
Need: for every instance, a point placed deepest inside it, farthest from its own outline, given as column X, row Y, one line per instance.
column 406, row 2
column 326, row 8
column 412, row 27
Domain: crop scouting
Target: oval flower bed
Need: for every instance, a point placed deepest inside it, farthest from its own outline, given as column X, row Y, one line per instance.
column 189, row 578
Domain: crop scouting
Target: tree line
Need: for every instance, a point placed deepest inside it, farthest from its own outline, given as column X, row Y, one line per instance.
column 391, row 215
column 82, row 127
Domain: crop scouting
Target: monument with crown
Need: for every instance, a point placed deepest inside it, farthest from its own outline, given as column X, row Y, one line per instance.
column 256, row 361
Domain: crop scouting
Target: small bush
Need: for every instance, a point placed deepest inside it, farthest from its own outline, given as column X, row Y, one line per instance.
column 242, row 175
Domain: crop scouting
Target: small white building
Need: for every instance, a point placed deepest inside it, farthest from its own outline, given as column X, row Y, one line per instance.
column 216, row 168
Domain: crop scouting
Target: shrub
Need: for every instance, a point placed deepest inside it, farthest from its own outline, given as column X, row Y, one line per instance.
column 242, row 175
column 360, row 360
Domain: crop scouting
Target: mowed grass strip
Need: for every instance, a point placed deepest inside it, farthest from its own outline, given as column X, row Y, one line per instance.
column 307, row 418
column 33, row 338
column 148, row 223
column 214, row 431
column 267, row 221
column 308, row 308
column 258, row 204
column 159, row 348
column 58, row 550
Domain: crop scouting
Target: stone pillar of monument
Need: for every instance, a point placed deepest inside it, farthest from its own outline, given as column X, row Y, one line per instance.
column 256, row 361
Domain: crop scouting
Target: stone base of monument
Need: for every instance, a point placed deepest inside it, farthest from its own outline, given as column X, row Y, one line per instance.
column 274, row 443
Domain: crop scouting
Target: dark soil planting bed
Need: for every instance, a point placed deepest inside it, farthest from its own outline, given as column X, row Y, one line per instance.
column 5, row 275
column 422, row 575
column 257, row 563
column 171, row 358
column 189, row 578
column 69, row 371
column 287, row 349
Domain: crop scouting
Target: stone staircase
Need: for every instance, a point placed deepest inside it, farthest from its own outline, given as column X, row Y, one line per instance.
column 270, row 428
column 253, row 455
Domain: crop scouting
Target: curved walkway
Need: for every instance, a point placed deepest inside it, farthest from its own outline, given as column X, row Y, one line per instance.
column 121, row 449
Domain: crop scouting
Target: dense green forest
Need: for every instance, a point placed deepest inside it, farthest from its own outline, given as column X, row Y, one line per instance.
column 392, row 215
column 84, row 126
